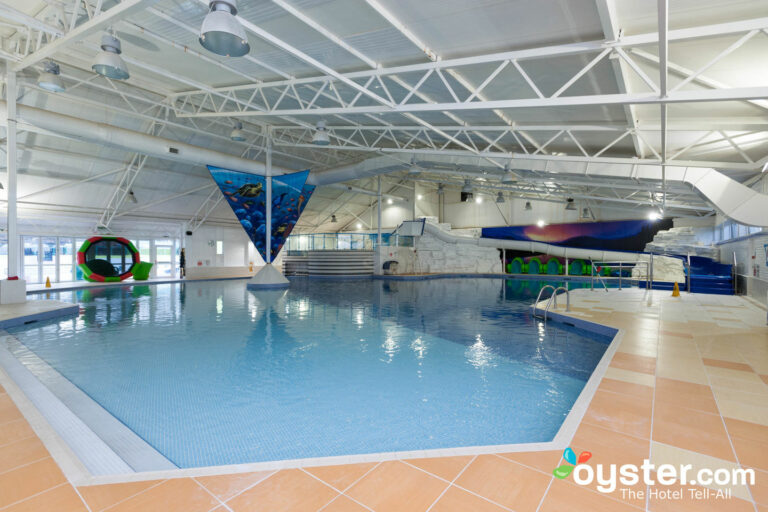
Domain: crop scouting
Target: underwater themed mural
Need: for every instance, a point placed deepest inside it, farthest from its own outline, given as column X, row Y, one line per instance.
column 246, row 194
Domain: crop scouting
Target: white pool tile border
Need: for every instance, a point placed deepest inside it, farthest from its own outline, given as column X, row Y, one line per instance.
column 78, row 473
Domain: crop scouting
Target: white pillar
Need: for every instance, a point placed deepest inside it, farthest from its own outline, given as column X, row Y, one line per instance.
column 14, row 251
column 269, row 195
column 378, row 214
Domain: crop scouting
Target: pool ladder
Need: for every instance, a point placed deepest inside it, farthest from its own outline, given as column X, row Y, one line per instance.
column 552, row 300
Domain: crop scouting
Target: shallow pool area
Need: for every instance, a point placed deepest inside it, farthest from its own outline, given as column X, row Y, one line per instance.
column 209, row 373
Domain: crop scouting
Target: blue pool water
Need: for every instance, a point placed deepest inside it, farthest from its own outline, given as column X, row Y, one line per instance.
column 210, row 373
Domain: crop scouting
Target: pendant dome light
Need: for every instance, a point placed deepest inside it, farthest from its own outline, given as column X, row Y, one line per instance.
column 414, row 169
column 570, row 204
column 467, row 192
column 221, row 33
column 320, row 137
column 237, row 134
column 333, row 219
column 108, row 63
column 528, row 206
column 500, row 198
column 49, row 79
column 509, row 176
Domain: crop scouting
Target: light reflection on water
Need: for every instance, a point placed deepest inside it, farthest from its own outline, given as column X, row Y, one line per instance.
column 210, row 373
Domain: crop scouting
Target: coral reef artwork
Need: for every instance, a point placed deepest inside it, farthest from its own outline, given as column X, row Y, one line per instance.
column 246, row 194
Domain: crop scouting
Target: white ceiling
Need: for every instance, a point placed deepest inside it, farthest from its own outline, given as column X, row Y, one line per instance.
column 52, row 168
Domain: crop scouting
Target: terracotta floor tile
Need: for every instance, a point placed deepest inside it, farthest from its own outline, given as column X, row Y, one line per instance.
column 8, row 410
column 99, row 497
column 394, row 487
column 690, row 429
column 746, row 430
column 504, row 482
column 736, row 379
column 566, row 497
column 543, row 461
column 622, row 413
column 287, row 490
column 444, row 467
column 633, row 362
column 343, row 504
column 456, row 500
column 751, row 452
column 760, row 489
column 176, row 495
column 609, row 447
column 226, row 486
column 764, row 378
column 21, row 452
column 13, row 431
column 59, row 499
column 626, row 388
column 341, row 476
column 28, row 480
column 727, row 364
column 685, row 394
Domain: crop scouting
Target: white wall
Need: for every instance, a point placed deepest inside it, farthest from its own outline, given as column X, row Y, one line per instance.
column 238, row 249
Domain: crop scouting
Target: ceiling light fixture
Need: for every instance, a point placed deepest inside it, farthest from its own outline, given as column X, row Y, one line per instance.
column 467, row 192
column 500, row 198
column 333, row 219
column 655, row 215
column 528, row 206
column 132, row 196
column 541, row 223
column 586, row 213
column 414, row 169
column 108, row 62
column 570, row 204
column 237, row 134
column 509, row 176
column 320, row 137
column 49, row 79
column 419, row 197
column 359, row 226
column 221, row 33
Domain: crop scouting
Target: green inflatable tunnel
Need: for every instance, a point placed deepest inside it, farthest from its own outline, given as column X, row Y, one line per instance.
column 517, row 266
column 535, row 266
column 578, row 268
column 554, row 267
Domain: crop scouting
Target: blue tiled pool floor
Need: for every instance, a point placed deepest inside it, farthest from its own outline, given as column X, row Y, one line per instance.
column 209, row 373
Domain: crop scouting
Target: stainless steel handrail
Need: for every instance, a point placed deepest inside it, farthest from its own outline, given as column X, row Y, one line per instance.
column 553, row 299
column 538, row 298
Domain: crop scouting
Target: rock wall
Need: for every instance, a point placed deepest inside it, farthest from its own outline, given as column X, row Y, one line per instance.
column 433, row 255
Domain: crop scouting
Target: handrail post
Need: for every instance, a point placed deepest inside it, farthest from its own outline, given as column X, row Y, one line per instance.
column 619, row 275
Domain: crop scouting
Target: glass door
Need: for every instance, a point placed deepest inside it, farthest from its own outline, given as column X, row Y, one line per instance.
column 48, row 257
column 31, row 246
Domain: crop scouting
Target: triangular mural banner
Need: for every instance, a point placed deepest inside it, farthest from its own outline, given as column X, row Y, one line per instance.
column 246, row 194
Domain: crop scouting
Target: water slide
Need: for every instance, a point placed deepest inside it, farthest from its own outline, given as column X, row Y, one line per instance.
column 665, row 268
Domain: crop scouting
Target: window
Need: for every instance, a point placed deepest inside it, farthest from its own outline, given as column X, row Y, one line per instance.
column 49, row 255
column 31, row 262
column 219, row 247
column 164, row 258
column 66, row 259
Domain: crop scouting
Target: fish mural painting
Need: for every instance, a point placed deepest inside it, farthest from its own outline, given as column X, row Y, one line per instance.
column 246, row 194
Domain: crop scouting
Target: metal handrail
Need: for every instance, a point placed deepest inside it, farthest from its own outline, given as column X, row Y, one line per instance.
column 553, row 299
column 538, row 298
column 599, row 278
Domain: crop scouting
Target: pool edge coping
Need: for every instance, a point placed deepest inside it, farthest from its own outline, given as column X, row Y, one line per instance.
column 77, row 474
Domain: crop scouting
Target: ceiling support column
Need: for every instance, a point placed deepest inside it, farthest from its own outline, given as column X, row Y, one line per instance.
column 268, row 234
column 14, row 251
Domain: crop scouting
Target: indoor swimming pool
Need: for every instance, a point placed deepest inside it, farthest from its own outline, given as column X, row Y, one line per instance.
column 209, row 373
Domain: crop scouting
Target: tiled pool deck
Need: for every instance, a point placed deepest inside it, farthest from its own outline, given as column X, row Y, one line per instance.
column 688, row 384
